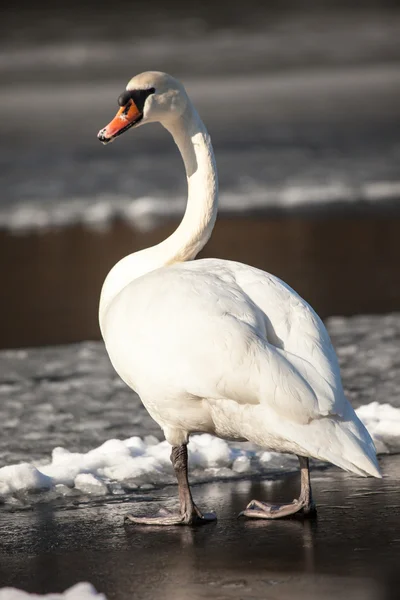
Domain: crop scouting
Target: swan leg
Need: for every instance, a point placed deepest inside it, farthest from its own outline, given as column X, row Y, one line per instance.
column 304, row 504
column 189, row 513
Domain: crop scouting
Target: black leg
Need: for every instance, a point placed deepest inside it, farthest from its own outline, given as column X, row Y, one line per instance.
column 304, row 505
column 189, row 513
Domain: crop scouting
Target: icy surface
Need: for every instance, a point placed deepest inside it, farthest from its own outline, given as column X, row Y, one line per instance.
column 70, row 399
column 80, row 591
column 368, row 352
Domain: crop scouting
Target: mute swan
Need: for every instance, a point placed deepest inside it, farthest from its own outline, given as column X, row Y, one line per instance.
column 218, row 346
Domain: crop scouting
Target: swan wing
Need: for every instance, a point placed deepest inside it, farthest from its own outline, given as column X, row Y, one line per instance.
column 224, row 330
column 258, row 321
column 298, row 334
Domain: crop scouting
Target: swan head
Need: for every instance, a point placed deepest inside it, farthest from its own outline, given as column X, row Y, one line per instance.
column 149, row 97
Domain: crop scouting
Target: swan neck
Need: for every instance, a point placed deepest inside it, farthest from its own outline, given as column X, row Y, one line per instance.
column 194, row 231
column 193, row 141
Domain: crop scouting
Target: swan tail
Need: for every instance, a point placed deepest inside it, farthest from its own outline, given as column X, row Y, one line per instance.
column 349, row 446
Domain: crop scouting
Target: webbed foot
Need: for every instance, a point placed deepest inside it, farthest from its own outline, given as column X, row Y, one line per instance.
column 262, row 510
column 304, row 506
column 165, row 517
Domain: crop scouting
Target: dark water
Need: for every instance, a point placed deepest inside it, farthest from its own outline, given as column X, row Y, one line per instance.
column 341, row 264
column 353, row 548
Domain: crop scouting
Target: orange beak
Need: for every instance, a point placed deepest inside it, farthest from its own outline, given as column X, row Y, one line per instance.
column 126, row 117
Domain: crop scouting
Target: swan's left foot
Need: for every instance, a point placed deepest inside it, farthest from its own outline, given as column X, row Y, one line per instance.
column 189, row 513
column 303, row 506
column 166, row 517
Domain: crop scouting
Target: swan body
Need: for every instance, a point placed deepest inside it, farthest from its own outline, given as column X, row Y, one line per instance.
column 218, row 346
column 227, row 349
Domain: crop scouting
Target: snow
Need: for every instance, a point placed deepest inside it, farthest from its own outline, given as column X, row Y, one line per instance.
column 80, row 591
column 89, row 484
column 22, row 477
column 136, row 463
column 383, row 423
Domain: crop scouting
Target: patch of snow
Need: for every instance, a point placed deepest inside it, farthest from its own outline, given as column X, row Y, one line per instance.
column 80, row 591
column 22, row 477
column 89, row 484
column 383, row 423
column 135, row 463
column 241, row 464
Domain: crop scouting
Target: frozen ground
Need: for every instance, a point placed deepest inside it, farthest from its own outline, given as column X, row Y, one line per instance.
column 69, row 398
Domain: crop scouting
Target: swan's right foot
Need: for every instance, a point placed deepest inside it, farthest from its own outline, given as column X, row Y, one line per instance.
column 166, row 517
column 189, row 513
column 261, row 510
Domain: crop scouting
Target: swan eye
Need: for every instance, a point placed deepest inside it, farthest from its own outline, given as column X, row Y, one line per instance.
column 124, row 98
column 131, row 112
column 138, row 96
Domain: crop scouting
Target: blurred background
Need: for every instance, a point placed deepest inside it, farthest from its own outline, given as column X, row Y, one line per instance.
column 302, row 101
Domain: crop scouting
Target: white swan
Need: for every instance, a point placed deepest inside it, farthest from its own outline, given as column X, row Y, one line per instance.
column 217, row 346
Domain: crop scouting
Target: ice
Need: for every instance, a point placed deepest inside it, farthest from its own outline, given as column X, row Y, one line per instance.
column 80, row 591
column 137, row 463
